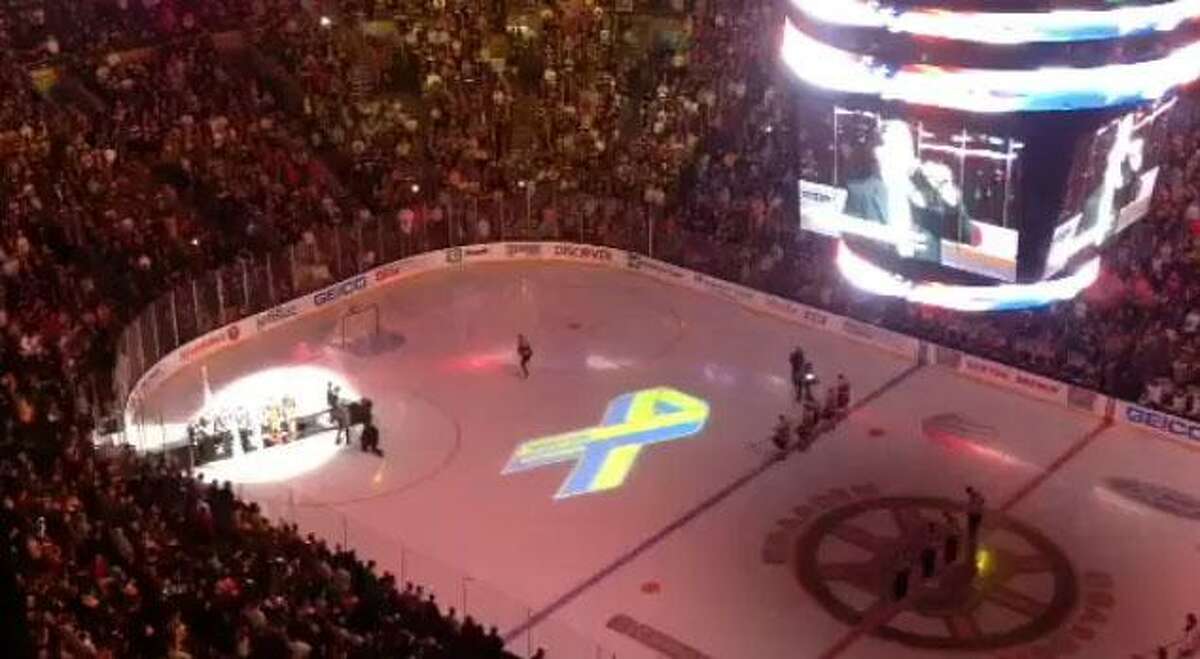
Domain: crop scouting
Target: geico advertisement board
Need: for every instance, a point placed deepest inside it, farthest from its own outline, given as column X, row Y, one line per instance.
column 340, row 290
column 1161, row 422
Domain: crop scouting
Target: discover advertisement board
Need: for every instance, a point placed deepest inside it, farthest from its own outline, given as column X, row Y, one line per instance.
column 585, row 253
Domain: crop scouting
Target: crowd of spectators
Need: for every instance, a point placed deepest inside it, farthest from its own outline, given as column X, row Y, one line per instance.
column 126, row 557
column 196, row 149
column 426, row 109
column 45, row 31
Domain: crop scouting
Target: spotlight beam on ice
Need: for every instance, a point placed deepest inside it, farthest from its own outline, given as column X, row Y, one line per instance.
column 604, row 454
column 255, row 391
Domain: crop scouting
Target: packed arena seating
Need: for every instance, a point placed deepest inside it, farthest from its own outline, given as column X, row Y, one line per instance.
column 158, row 156
column 125, row 557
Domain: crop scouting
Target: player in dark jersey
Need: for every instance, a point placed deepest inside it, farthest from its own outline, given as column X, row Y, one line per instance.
column 783, row 434
column 525, row 352
column 799, row 366
column 843, row 394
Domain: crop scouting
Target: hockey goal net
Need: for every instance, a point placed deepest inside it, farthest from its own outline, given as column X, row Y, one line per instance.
column 360, row 325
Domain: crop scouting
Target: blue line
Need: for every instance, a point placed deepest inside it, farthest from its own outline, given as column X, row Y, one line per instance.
column 697, row 510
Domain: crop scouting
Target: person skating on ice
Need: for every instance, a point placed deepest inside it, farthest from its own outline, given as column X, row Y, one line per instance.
column 525, row 352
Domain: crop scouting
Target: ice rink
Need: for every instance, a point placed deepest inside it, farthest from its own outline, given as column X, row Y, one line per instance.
column 708, row 547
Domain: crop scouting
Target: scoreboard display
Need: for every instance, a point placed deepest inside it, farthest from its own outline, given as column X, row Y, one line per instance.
column 979, row 159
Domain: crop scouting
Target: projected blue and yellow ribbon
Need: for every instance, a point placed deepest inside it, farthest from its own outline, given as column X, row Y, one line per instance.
column 604, row 454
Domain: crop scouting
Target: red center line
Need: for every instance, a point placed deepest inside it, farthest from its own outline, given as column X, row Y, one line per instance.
column 875, row 617
column 1055, row 466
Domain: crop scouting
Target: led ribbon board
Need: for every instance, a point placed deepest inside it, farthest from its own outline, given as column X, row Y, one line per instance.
column 867, row 276
column 1008, row 28
column 604, row 454
column 988, row 90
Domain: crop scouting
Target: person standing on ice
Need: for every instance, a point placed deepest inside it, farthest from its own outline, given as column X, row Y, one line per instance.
column 830, row 410
column 1190, row 645
column 806, row 433
column 797, row 361
column 332, row 399
column 369, row 439
column 975, row 504
column 804, row 380
column 796, row 358
column 901, row 571
column 810, row 414
column 782, row 435
column 929, row 551
column 950, row 546
column 525, row 352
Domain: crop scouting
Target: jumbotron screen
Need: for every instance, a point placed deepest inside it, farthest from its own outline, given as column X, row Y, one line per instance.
column 935, row 191
column 1012, row 175
column 1111, row 183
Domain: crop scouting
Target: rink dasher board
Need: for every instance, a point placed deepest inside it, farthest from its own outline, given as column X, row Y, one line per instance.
column 907, row 347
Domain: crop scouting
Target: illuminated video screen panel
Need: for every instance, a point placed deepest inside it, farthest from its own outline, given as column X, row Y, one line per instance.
column 1011, row 143
column 986, row 90
column 1018, row 23
column 1111, row 183
column 935, row 191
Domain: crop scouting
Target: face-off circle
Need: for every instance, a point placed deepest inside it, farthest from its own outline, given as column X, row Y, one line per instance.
column 1023, row 587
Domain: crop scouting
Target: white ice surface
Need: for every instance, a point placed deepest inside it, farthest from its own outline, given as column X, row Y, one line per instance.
column 452, row 409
